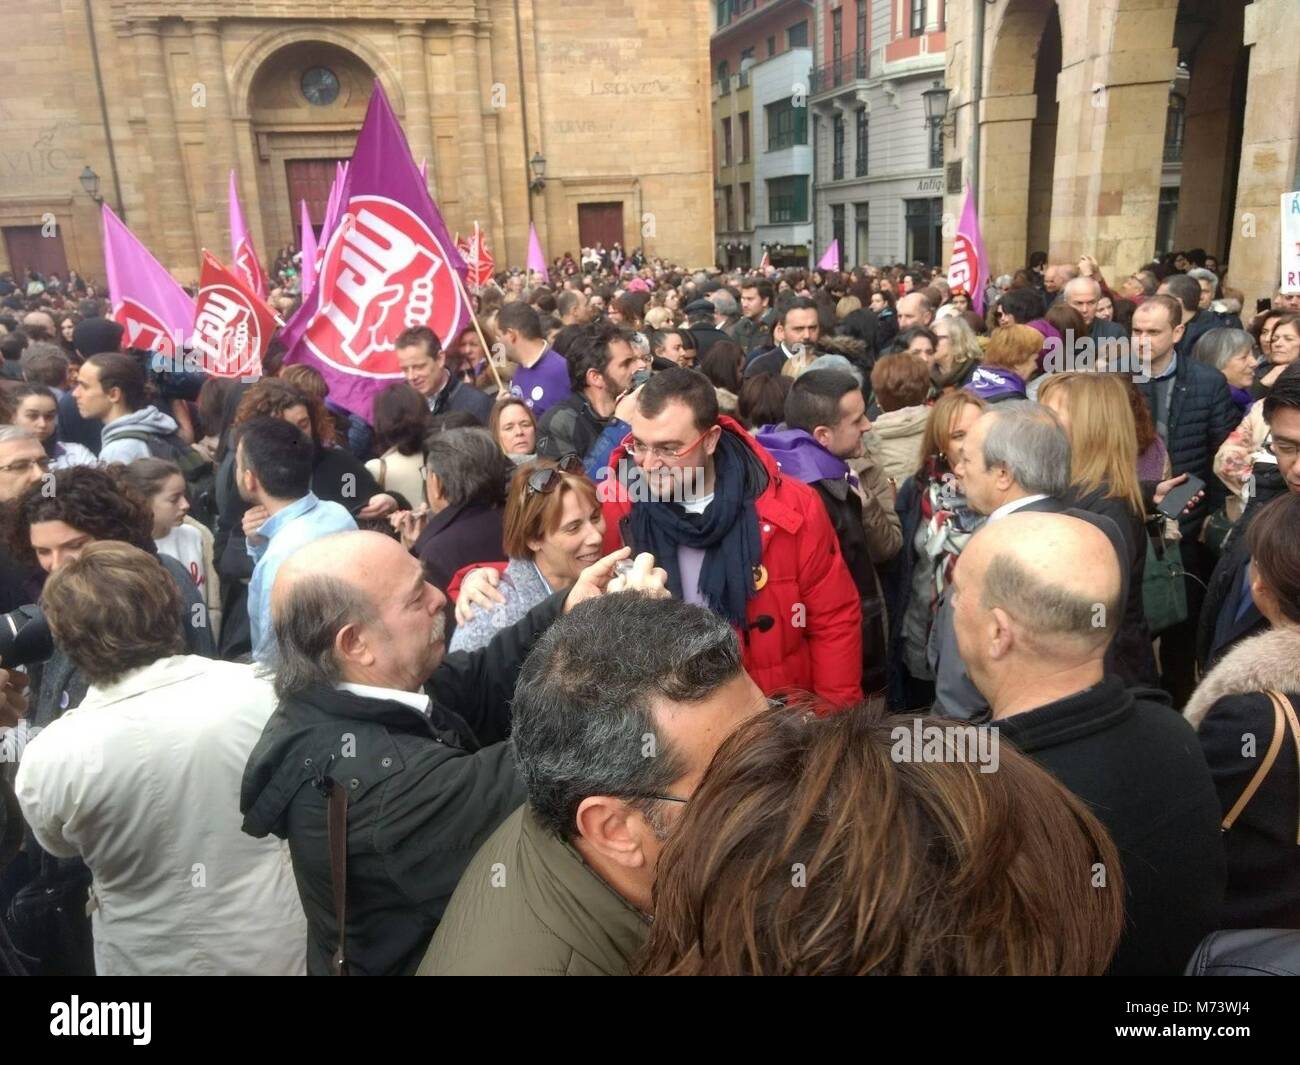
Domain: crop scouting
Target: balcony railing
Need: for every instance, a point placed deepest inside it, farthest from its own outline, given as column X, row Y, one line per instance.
column 839, row 71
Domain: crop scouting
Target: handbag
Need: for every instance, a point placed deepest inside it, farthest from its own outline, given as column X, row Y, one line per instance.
column 1284, row 718
column 47, row 919
column 1164, row 597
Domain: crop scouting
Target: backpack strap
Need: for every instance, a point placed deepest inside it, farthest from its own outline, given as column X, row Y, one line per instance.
column 1280, row 724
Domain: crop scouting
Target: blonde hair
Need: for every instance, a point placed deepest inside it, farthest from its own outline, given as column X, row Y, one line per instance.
column 1103, row 434
column 846, row 306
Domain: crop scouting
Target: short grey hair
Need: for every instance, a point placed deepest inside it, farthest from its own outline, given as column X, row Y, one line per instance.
column 584, row 721
column 306, row 622
column 1002, row 281
column 1028, row 441
column 1202, row 274
column 1045, row 609
column 469, row 464
column 10, row 433
column 725, row 302
column 45, row 363
column 1217, row 346
column 1079, row 282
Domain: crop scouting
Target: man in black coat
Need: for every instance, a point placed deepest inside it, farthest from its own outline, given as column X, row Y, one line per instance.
column 1193, row 413
column 1230, row 613
column 1037, row 601
column 369, row 704
column 797, row 330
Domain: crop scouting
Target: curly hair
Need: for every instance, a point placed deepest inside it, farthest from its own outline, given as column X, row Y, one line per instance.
column 271, row 397
column 96, row 501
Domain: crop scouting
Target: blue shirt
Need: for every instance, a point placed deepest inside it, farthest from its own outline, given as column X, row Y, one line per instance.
column 297, row 525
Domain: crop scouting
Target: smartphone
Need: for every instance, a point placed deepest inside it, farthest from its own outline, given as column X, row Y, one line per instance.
column 1263, row 304
column 639, row 378
column 1179, row 496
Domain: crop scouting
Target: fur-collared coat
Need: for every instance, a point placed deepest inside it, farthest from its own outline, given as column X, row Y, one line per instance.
column 1235, row 724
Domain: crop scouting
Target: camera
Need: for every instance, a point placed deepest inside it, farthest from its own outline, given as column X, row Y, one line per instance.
column 25, row 637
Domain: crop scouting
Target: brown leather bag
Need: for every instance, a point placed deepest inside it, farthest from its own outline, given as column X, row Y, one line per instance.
column 1284, row 717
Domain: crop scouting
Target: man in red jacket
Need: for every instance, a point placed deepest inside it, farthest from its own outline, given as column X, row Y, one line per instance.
column 735, row 535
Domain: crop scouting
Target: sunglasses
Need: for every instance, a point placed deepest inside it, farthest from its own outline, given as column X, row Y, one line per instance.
column 546, row 479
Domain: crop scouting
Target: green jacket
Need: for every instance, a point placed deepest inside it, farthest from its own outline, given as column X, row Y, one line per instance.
column 528, row 905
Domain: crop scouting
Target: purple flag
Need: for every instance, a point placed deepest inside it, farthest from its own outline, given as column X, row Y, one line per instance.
column 147, row 301
column 536, row 258
column 968, row 269
column 830, row 260
column 308, row 250
column 243, row 255
column 388, row 265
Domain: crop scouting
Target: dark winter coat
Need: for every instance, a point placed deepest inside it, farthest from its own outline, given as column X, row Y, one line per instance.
column 1201, row 415
column 1136, row 763
column 423, row 795
column 1236, row 724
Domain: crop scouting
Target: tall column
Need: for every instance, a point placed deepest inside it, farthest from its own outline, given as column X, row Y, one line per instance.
column 213, row 219
column 175, row 244
column 1111, row 123
column 469, row 108
column 494, row 224
column 1005, row 140
column 415, row 87
column 1270, row 148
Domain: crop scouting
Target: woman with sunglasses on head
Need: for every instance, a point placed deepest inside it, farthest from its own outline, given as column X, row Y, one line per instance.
column 553, row 530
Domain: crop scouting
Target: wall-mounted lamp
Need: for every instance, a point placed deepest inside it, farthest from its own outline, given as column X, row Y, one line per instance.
column 90, row 183
column 537, row 164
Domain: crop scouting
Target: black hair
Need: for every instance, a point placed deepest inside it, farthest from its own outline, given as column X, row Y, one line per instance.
column 800, row 303
column 1023, row 304
column 521, row 317
column 814, row 399
column 686, row 386
column 590, row 351
column 279, row 454
column 1285, row 392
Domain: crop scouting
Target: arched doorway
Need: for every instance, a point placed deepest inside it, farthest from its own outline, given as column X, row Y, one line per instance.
column 1042, row 138
column 1202, row 149
column 306, row 103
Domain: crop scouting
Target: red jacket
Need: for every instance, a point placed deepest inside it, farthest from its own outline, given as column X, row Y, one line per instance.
column 814, row 640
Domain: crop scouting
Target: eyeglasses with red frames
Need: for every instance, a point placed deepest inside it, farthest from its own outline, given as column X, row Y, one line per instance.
column 642, row 451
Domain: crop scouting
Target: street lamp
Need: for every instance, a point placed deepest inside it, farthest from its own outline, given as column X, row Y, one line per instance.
column 935, row 99
column 537, row 164
column 90, row 183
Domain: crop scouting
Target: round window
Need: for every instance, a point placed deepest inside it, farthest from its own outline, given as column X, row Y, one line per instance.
column 321, row 86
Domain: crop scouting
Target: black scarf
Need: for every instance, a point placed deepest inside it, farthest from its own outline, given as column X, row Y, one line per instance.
column 727, row 532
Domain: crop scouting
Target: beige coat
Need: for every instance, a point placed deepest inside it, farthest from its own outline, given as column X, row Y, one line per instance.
column 894, row 441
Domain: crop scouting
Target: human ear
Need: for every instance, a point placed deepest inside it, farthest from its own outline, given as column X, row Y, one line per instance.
column 613, row 829
column 1001, row 639
column 351, row 646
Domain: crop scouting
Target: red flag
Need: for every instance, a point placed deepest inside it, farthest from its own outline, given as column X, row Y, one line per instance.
column 232, row 326
column 474, row 251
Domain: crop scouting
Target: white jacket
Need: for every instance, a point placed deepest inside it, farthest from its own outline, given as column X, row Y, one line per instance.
column 142, row 782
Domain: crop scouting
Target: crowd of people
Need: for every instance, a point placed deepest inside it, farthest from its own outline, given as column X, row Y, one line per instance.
column 662, row 622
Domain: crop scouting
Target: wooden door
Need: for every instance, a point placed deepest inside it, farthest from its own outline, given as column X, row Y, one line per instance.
column 600, row 222
column 310, row 180
column 29, row 250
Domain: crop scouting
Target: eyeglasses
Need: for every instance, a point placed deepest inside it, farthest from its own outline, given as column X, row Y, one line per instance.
column 660, row 798
column 545, row 479
column 26, row 464
column 642, row 451
column 1282, row 449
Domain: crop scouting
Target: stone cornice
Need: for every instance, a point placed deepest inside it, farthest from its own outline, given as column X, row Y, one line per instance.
column 124, row 12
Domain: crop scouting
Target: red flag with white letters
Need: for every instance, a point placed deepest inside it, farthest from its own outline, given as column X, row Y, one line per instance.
column 232, row 326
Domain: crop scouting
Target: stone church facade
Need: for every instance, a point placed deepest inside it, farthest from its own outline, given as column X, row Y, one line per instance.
column 587, row 117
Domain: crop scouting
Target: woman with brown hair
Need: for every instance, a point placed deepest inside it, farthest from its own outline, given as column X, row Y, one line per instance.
column 937, row 523
column 836, row 847
column 552, row 530
column 514, row 427
column 1094, row 410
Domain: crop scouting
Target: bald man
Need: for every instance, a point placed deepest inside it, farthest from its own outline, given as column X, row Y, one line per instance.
column 1083, row 294
column 414, row 738
column 1037, row 599
column 914, row 310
